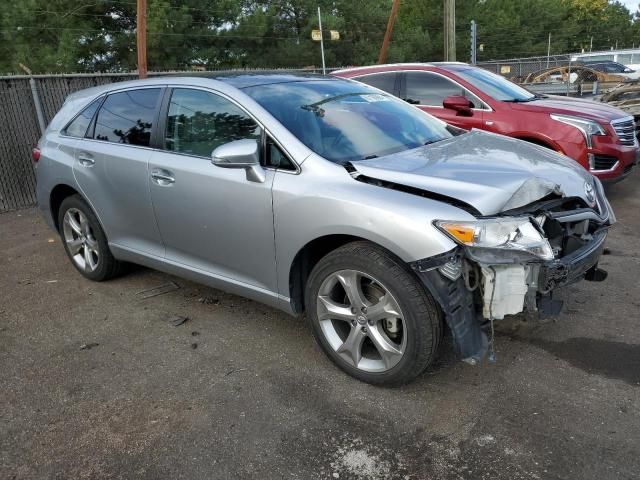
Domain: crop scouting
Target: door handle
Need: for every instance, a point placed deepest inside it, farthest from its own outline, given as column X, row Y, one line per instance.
column 85, row 160
column 162, row 177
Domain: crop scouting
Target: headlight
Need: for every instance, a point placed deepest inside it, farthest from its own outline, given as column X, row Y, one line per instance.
column 488, row 239
column 587, row 127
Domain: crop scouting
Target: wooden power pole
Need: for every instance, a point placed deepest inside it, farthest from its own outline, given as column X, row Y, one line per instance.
column 387, row 35
column 141, row 38
column 449, row 30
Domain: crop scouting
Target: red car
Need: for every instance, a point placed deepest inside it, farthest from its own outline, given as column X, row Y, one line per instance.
column 599, row 137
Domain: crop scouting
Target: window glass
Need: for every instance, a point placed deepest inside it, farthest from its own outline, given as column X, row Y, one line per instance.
column 489, row 83
column 625, row 58
column 614, row 68
column 347, row 121
column 276, row 158
column 597, row 57
column 78, row 128
column 198, row 122
column 127, row 117
column 383, row 81
column 424, row 88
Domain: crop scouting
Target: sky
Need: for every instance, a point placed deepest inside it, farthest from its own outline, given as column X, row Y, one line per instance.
column 632, row 5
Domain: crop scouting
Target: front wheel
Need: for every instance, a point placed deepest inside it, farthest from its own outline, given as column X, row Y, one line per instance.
column 371, row 316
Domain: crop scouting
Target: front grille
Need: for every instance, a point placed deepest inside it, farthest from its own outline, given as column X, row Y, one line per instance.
column 626, row 130
column 603, row 162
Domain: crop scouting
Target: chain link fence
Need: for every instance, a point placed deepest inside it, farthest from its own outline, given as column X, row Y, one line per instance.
column 517, row 69
column 21, row 129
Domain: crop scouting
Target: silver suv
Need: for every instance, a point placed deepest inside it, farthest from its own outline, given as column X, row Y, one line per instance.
column 325, row 196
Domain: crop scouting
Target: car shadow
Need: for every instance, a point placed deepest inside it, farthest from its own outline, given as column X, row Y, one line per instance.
column 615, row 360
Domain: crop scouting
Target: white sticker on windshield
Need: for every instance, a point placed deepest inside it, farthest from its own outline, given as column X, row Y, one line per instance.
column 374, row 97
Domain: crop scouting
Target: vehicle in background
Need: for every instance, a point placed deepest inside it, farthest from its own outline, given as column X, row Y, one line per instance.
column 322, row 196
column 628, row 56
column 613, row 68
column 599, row 137
column 626, row 97
column 576, row 73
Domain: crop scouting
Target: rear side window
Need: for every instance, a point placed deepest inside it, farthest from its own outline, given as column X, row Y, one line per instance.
column 383, row 81
column 198, row 122
column 78, row 127
column 128, row 117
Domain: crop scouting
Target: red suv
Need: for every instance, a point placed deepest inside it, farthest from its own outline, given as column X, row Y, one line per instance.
column 599, row 137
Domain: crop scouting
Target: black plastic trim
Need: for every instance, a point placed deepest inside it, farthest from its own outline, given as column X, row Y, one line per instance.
column 572, row 267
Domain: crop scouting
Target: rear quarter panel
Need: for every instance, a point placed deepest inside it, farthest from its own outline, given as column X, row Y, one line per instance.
column 54, row 168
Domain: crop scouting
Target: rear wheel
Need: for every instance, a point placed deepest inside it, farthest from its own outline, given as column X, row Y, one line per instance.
column 85, row 241
column 371, row 316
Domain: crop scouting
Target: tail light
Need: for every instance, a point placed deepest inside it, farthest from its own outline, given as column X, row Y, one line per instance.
column 35, row 154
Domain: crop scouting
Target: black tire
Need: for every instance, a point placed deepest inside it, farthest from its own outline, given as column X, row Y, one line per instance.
column 422, row 317
column 107, row 266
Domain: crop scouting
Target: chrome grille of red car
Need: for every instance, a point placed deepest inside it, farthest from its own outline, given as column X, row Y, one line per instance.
column 626, row 130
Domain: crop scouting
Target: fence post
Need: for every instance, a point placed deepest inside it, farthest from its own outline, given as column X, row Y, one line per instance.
column 38, row 105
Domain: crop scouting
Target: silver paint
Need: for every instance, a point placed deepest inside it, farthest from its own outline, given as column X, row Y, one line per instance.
column 184, row 215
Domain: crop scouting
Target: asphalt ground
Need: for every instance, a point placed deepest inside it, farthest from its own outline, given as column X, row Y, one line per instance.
column 96, row 381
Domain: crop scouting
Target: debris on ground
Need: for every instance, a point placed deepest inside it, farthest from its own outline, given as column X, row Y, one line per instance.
column 194, row 345
column 178, row 320
column 233, row 370
column 88, row 346
column 209, row 300
column 195, row 334
column 159, row 290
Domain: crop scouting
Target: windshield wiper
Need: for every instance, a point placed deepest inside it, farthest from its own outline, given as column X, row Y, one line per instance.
column 520, row 100
column 536, row 96
column 369, row 157
column 315, row 107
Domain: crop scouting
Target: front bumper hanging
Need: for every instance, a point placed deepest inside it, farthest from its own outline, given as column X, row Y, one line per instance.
column 515, row 288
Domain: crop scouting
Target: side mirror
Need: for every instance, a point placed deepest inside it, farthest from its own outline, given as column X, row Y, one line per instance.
column 240, row 154
column 460, row 104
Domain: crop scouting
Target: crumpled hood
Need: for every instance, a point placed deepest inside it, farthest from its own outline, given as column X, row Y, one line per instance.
column 490, row 172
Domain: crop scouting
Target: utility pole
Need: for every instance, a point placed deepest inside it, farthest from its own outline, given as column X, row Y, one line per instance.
column 548, row 49
column 449, row 30
column 474, row 41
column 141, row 37
column 324, row 71
column 382, row 58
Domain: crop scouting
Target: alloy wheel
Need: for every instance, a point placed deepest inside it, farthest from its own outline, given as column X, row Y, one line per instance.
column 361, row 320
column 81, row 242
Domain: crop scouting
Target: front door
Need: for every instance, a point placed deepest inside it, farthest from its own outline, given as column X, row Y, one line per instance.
column 428, row 90
column 211, row 219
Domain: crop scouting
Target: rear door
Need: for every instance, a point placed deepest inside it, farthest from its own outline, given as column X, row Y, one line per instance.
column 111, row 168
column 427, row 90
column 211, row 219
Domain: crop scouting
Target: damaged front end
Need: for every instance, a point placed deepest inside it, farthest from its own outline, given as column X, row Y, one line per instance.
column 512, row 262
